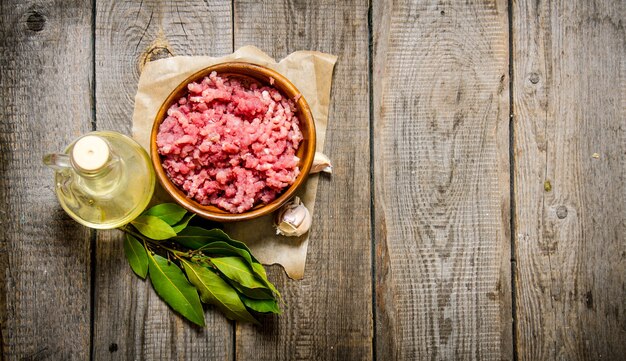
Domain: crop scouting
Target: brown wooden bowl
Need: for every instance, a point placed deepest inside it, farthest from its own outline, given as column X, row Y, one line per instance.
column 305, row 152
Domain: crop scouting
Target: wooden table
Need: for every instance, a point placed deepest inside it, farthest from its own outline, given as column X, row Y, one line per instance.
column 477, row 209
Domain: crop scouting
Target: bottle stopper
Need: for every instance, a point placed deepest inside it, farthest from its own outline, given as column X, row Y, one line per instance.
column 90, row 153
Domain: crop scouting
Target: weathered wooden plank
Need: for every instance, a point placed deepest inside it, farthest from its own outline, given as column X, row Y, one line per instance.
column 570, row 179
column 329, row 313
column 131, row 322
column 441, row 107
column 45, row 85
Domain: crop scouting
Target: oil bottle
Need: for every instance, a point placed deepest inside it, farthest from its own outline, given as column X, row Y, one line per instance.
column 103, row 180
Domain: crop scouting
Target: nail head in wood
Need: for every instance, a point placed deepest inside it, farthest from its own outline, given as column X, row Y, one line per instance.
column 35, row 21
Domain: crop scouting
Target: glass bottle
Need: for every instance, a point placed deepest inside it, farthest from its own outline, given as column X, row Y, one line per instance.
column 103, row 180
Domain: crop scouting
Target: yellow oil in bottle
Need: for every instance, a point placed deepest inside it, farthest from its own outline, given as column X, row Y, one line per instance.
column 104, row 180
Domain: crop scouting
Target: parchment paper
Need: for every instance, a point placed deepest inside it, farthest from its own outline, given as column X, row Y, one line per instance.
column 310, row 71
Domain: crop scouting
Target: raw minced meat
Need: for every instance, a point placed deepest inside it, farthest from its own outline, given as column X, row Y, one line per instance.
column 231, row 143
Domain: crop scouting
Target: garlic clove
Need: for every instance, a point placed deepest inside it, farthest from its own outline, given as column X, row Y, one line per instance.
column 286, row 229
column 293, row 219
column 321, row 163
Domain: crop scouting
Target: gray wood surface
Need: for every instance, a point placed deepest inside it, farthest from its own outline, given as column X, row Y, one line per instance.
column 441, row 111
column 329, row 312
column 44, row 255
column 410, row 255
column 131, row 321
column 570, row 179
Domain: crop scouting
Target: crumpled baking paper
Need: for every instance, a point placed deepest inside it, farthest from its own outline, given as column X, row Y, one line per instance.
column 310, row 71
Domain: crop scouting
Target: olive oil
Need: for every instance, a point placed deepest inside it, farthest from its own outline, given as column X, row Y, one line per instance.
column 104, row 179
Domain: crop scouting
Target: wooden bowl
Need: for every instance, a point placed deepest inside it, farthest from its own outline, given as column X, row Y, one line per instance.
column 305, row 152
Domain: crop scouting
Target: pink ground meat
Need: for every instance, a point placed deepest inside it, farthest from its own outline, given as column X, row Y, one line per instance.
column 231, row 144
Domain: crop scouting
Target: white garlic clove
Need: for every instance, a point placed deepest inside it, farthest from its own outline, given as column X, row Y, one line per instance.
column 321, row 163
column 293, row 219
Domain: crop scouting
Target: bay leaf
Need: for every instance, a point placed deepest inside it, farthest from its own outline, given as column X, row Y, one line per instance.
column 170, row 284
column 153, row 227
column 226, row 238
column 254, row 263
column 260, row 270
column 214, row 290
column 263, row 306
column 256, row 293
column 182, row 224
column 197, row 237
column 171, row 213
column 236, row 269
column 225, row 249
column 136, row 255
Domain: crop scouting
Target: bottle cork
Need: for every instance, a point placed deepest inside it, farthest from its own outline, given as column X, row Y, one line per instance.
column 90, row 153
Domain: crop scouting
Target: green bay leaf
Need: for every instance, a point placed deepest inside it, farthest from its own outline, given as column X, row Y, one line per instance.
column 217, row 241
column 254, row 263
column 260, row 270
column 214, row 290
column 196, row 237
column 238, row 270
column 170, row 284
column 136, row 255
column 225, row 249
column 182, row 224
column 263, row 306
column 153, row 227
column 171, row 213
column 256, row 293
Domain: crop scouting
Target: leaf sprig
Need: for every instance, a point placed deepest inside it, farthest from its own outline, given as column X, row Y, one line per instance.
column 188, row 265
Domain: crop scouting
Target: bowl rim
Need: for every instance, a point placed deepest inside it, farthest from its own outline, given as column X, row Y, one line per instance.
column 261, row 74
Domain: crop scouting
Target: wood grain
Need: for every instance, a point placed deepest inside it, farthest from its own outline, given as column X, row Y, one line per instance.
column 45, row 102
column 441, row 180
column 329, row 313
column 441, row 107
column 131, row 321
column 570, row 174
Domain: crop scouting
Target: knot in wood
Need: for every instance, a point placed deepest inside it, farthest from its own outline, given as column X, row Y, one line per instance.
column 35, row 21
column 561, row 212
column 159, row 52
column 589, row 300
column 155, row 52
column 534, row 78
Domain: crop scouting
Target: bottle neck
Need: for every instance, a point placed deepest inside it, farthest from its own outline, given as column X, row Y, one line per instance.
column 102, row 180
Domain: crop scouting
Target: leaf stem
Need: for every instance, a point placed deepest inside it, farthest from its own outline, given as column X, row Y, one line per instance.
column 128, row 230
column 149, row 243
